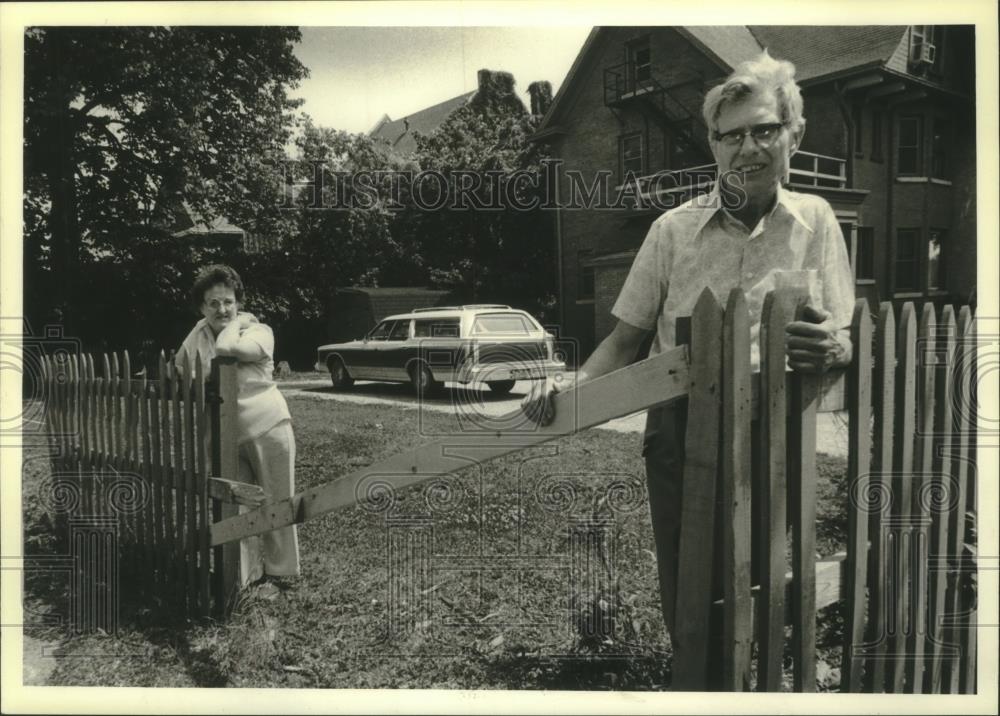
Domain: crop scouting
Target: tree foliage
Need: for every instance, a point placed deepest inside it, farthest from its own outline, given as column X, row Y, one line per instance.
column 501, row 248
column 123, row 123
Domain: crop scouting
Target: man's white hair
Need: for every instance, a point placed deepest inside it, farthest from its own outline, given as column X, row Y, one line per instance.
column 752, row 77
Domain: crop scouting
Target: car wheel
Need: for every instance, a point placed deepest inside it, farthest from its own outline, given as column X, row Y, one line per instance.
column 500, row 387
column 338, row 374
column 423, row 381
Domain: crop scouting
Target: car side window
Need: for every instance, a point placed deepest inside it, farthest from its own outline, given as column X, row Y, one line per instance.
column 381, row 331
column 436, row 328
column 400, row 331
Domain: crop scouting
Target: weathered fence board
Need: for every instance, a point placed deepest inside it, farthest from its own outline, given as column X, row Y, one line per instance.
column 858, row 477
column 960, row 383
column 224, row 453
column 922, row 484
column 145, row 471
column 701, row 463
column 190, row 518
column 902, row 494
column 204, row 519
column 168, row 576
column 801, row 471
column 180, row 522
column 771, row 510
column 655, row 381
column 155, row 469
column 737, row 620
column 878, row 499
column 942, row 491
column 967, row 682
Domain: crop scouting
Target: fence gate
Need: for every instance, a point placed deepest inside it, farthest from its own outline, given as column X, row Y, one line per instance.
column 154, row 465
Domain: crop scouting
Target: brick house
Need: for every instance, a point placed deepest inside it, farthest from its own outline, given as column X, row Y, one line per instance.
column 889, row 142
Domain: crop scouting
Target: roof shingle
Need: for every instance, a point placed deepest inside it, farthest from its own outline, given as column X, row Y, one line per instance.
column 820, row 51
column 425, row 121
column 730, row 43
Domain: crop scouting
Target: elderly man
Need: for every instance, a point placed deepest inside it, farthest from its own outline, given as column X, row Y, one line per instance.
column 748, row 232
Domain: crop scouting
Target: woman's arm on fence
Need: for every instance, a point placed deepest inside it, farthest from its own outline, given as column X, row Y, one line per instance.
column 241, row 342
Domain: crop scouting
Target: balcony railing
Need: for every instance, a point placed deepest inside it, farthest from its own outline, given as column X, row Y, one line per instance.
column 819, row 170
column 665, row 188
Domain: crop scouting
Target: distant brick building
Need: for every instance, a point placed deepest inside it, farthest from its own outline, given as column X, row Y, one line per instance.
column 889, row 142
column 398, row 134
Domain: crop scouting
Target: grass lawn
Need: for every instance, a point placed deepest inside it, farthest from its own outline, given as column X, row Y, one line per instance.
column 532, row 571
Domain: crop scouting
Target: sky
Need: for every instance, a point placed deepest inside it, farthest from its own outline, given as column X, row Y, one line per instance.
column 357, row 74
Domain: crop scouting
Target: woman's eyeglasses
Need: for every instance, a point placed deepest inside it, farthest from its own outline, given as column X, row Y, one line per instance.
column 215, row 304
column 763, row 134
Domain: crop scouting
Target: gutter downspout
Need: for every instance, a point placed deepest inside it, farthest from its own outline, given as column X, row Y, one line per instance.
column 559, row 255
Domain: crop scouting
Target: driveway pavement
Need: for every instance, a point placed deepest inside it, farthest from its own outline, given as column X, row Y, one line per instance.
column 831, row 435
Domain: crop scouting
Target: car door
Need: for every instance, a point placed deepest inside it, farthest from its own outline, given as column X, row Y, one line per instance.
column 394, row 352
column 367, row 361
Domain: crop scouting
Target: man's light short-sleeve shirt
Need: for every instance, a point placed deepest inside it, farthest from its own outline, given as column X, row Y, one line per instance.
column 700, row 244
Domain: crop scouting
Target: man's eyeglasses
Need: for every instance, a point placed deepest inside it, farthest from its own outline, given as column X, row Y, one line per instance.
column 763, row 134
column 216, row 304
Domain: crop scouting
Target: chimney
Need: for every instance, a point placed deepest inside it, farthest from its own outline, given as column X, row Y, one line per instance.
column 541, row 97
column 484, row 79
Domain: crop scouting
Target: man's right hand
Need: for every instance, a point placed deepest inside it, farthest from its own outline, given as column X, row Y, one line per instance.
column 539, row 405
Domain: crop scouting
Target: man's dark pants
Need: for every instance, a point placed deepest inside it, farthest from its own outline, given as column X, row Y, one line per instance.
column 663, row 450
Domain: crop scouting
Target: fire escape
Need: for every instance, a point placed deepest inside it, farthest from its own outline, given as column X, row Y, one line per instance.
column 675, row 109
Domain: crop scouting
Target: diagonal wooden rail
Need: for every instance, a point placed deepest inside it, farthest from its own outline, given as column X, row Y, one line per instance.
column 655, row 381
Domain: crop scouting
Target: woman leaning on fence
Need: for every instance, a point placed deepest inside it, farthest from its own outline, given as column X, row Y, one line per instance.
column 265, row 438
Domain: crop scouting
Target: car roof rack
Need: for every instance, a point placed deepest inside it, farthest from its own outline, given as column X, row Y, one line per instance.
column 460, row 308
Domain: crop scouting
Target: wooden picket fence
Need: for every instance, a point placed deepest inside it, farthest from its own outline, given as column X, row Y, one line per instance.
column 906, row 580
column 152, row 463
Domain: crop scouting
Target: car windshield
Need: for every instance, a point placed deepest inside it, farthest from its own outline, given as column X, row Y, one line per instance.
column 379, row 332
column 508, row 323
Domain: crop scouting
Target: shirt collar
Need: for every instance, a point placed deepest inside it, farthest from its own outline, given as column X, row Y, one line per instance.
column 711, row 203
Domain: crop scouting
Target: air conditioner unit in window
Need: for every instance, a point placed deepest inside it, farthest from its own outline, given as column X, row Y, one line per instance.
column 923, row 53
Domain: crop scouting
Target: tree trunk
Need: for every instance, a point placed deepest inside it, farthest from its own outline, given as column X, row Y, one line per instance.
column 64, row 223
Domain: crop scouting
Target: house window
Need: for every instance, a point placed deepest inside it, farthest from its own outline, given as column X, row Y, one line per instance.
column 864, row 261
column 926, row 45
column 857, row 115
column 926, row 48
column 678, row 152
column 639, row 63
column 585, row 290
column 631, row 156
column 940, row 136
column 876, row 135
column 907, row 265
column 937, row 38
column 847, row 230
column 935, row 260
column 908, row 150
